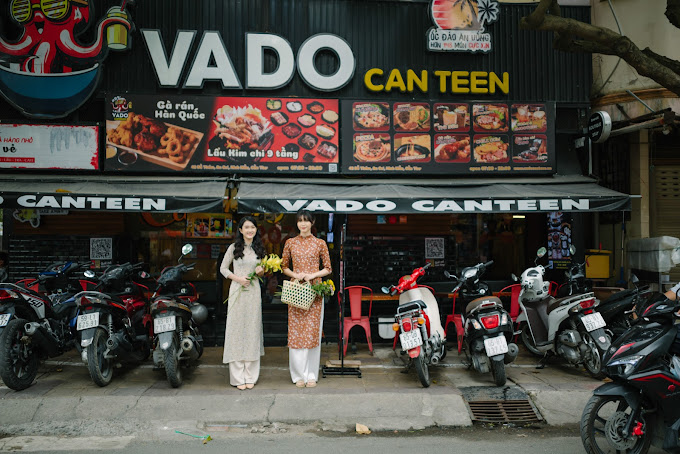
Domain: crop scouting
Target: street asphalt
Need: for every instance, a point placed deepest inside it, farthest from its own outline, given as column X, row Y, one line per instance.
column 64, row 401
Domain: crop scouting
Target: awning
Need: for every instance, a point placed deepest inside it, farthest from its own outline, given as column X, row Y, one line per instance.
column 113, row 193
column 526, row 195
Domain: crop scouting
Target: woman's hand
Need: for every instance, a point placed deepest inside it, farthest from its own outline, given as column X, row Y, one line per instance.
column 299, row 276
column 308, row 277
column 243, row 281
column 259, row 270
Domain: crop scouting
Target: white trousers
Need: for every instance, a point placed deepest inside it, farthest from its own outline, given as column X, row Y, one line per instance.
column 304, row 362
column 242, row 372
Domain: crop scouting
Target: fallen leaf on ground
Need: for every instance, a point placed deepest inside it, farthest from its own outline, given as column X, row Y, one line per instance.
column 361, row 429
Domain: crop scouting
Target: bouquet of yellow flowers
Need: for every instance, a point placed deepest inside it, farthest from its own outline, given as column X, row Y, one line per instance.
column 325, row 288
column 270, row 263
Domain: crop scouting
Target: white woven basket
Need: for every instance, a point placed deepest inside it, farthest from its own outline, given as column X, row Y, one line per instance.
column 297, row 295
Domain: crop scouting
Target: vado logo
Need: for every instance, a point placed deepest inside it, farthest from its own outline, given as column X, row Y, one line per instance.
column 211, row 61
column 47, row 72
column 120, row 107
column 460, row 25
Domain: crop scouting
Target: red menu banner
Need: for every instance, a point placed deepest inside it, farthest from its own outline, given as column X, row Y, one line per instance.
column 240, row 135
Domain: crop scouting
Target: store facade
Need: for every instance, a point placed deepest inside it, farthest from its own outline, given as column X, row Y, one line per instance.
column 448, row 138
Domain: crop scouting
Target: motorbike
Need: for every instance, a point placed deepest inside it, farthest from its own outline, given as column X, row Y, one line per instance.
column 641, row 405
column 417, row 320
column 487, row 325
column 176, row 314
column 618, row 311
column 110, row 323
column 36, row 322
column 569, row 326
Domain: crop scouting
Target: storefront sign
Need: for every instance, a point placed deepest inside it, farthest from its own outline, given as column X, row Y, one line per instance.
column 49, row 147
column 213, row 63
column 93, row 202
column 52, row 73
column 244, row 135
column 599, row 126
column 448, row 137
column 432, row 205
column 460, row 25
column 458, row 82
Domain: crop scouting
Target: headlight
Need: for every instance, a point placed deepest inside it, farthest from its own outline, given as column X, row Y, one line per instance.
column 626, row 364
column 470, row 273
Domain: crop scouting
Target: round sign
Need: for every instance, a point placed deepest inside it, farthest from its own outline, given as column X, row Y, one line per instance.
column 599, row 126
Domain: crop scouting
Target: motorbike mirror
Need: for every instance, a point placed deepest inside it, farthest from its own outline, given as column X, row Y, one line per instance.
column 634, row 279
column 89, row 273
column 447, row 274
column 572, row 249
column 513, row 277
column 541, row 252
column 187, row 248
column 385, row 290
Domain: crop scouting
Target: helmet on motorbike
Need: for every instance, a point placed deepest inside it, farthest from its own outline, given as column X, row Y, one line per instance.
column 533, row 286
column 199, row 313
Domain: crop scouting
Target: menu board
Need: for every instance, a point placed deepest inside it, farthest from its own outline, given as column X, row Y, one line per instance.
column 448, row 137
column 222, row 134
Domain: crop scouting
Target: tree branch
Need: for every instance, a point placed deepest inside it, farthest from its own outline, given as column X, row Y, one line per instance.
column 575, row 36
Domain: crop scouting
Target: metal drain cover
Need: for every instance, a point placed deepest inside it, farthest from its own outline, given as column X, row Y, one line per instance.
column 500, row 405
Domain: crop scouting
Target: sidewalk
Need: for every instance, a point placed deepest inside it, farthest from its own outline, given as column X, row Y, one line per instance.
column 383, row 398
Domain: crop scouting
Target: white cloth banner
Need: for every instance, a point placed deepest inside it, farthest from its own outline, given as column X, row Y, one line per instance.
column 49, row 147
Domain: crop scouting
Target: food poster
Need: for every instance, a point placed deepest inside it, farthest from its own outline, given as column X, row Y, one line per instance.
column 243, row 135
column 448, row 137
column 208, row 225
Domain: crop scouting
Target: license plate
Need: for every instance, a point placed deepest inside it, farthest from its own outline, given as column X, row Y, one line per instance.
column 86, row 321
column 411, row 339
column 4, row 319
column 496, row 346
column 163, row 324
column 593, row 321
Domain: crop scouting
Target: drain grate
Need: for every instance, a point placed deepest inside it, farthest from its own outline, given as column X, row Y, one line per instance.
column 503, row 411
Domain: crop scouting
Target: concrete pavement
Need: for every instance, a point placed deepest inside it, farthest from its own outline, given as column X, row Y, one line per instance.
column 65, row 401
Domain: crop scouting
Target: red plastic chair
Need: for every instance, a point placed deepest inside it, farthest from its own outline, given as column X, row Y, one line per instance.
column 552, row 290
column 457, row 320
column 515, row 290
column 356, row 319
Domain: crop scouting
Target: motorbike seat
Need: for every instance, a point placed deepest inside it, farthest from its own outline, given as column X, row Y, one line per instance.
column 411, row 305
column 475, row 303
column 618, row 296
column 557, row 302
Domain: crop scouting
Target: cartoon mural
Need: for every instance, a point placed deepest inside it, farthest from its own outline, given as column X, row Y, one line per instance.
column 47, row 72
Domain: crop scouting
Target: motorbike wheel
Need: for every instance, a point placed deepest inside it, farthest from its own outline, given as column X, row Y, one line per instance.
column 528, row 340
column 498, row 372
column 602, row 424
column 18, row 362
column 101, row 368
column 593, row 361
column 172, row 369
column 422, row 370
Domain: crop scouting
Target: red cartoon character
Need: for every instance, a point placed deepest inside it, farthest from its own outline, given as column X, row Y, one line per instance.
column 50, row 73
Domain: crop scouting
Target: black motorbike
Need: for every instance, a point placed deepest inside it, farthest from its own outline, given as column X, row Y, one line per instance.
column 618, row 310
column 111, row 321
column 176, row 314
column 36, row 322
column 488, row 327
column 641, row 405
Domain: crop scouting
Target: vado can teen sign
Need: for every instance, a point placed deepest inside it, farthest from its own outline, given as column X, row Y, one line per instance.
column 211, row 61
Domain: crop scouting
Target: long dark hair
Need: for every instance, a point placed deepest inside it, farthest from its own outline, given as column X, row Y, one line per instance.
column 240, row 243
column 305, row 215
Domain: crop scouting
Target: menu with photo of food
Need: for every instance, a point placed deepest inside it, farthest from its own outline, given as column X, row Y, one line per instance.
column 453, row 138
column 205, row 134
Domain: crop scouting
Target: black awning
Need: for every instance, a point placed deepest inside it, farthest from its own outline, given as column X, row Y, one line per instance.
column 113, row 193
column 466, row 196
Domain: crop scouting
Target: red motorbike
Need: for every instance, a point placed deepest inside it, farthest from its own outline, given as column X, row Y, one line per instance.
column 111, row 321
column 417, row 320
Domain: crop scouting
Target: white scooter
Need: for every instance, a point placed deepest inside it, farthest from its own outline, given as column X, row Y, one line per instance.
column 566, row 326
column 418, row 322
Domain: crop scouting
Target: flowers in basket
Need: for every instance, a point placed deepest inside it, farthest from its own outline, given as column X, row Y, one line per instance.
column 270, row 264
column 325, row 288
